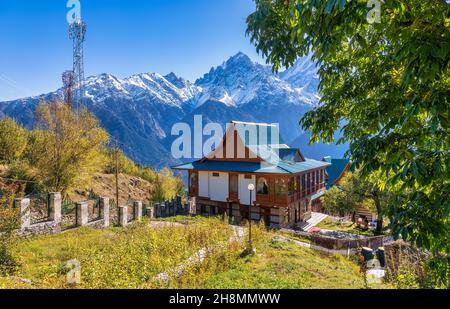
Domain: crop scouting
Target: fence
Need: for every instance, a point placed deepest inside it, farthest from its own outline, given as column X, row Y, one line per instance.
column 53, row 214
column 339, row 245
column 68, row 215
column 39, row 209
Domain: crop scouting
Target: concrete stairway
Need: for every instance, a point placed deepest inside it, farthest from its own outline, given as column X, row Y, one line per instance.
column 316, row 218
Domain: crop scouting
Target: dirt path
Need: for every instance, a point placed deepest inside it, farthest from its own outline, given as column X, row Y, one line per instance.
column 198, row 257
column 164, row 224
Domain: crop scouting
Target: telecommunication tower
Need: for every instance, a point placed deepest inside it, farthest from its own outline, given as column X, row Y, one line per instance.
column 77, row 32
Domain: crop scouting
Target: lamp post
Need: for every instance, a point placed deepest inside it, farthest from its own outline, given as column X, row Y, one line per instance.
column 251, row 188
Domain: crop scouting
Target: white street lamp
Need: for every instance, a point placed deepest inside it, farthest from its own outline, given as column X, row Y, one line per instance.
column 251, row 188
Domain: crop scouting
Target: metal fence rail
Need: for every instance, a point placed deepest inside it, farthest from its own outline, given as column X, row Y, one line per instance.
column 39, row 209
column 68, row 214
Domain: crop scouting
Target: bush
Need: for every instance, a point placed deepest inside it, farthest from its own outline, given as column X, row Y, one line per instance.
column 9, row 222
column 22, row 170
column 13, row 140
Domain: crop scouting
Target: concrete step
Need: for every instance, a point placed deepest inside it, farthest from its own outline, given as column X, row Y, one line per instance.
column 316, row 218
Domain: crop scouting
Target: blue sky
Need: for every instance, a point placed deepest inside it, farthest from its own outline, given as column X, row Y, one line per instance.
column 124, row 37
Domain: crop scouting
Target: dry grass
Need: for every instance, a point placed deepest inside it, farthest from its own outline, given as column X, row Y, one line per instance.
column 114, row 258
column 130, row 188
column 130, row 258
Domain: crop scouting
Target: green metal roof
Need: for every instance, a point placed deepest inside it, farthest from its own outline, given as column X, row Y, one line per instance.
column 335, row 169
column 317, row 195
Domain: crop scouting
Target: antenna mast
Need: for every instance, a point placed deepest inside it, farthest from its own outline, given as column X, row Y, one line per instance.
column 77, row 32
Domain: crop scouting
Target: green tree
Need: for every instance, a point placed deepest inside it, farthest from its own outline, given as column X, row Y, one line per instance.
column 13, row 140
column 334, row 201
column 167, row 186
column 9, row 222
column 389, row 83
column 67, row 148
column 356, row 191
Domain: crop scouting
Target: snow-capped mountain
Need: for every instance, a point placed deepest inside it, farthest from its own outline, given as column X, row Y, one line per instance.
column 303, row 76
column 140, row 110
column 241, row 81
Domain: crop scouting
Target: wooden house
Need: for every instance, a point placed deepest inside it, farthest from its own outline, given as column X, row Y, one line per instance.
column 254, row 153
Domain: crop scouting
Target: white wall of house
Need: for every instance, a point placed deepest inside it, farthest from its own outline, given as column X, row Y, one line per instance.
column 218, row 186
column 203, row 184
column 244, row 194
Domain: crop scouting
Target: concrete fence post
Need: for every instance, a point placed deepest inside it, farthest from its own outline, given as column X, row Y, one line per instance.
column 123, row 216
column 137, row 210
column 192, row 206
column 25, row 213
column 104, row 211
column 55, row 201
column 151, row 212
column 82, row 213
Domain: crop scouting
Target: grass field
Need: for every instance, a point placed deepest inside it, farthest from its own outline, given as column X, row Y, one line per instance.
column 131, row 257
column 348, row 227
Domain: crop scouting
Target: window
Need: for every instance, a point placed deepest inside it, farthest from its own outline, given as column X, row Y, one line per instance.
column 233, row 183
column 280, row 187
column 248, row 176
column 263, row 186
column 216, row 174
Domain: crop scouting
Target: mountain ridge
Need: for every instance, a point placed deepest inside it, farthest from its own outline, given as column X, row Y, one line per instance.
column 141, row 109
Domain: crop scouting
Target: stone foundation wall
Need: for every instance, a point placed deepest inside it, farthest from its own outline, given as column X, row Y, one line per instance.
column 43, row 228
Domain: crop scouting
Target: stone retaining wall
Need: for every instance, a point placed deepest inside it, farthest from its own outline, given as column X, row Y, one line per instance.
column 42, row 228
column 341, row 245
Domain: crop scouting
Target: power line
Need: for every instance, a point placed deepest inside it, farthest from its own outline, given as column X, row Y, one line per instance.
column 18, row 180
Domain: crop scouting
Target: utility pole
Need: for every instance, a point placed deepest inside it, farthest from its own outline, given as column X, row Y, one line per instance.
column 116, row 154
column 251, row 188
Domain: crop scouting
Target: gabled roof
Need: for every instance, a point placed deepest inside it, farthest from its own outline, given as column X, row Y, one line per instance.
column 264, row 141
column 290, row 154
column 336, row 170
